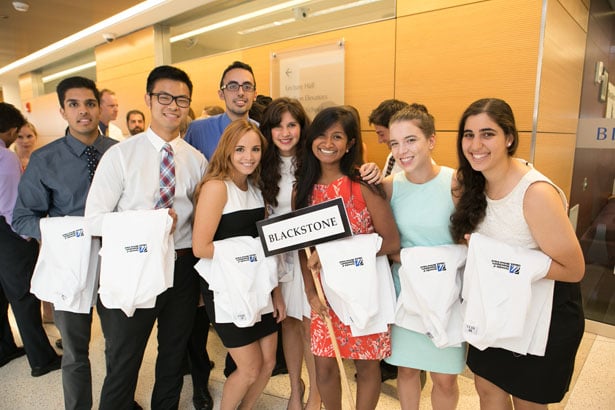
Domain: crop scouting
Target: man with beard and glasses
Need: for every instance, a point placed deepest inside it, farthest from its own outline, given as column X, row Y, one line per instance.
column 238, row 91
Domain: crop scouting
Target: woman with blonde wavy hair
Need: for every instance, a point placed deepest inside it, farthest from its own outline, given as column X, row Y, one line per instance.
column 229, row 203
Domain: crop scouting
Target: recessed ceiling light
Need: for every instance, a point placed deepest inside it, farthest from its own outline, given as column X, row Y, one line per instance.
column 21, row 6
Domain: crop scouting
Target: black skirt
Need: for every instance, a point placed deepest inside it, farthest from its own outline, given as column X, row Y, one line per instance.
column 539, row 379
column 234, row 336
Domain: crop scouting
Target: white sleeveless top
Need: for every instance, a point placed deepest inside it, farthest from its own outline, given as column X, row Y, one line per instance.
column 504, row 219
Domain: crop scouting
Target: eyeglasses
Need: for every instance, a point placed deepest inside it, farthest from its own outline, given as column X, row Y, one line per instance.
column 167, row 99
column 233, row 87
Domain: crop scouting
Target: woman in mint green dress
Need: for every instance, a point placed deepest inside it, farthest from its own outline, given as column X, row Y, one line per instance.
column 422, row 202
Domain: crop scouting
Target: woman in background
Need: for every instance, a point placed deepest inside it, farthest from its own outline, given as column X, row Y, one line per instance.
column 25, row 144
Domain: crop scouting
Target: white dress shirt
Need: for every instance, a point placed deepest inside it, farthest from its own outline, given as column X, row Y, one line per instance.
column 115, row 132
column 127, row 178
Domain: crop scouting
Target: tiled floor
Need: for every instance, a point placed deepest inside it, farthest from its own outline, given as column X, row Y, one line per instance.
column 592, row 386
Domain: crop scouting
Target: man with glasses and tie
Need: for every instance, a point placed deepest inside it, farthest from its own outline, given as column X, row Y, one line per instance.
column 56, row 183
column 152, row 170
column 238, row 91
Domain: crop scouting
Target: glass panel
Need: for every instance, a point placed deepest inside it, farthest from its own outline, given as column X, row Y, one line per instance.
column 231, row 25
column 592, row 196
column 84, row 60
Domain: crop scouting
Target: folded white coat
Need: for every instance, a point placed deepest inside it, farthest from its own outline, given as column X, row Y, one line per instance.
column 358, row 285
column 506, row 300
column 429, row 301
column 66, row 270
column 137, row 259
column 241, row 278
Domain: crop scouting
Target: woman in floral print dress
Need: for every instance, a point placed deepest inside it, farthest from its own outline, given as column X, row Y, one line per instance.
column 328, row 170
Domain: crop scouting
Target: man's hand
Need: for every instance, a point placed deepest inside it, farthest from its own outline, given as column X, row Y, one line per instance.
column 370, row 173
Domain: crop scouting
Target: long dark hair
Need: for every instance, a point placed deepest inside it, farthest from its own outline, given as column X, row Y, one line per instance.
column 308, row 170
column 272, row 117
column 471, row 209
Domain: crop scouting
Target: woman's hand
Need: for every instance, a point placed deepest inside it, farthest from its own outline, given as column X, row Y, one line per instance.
column 313, row 262
column 317, row 306
column 279, row 307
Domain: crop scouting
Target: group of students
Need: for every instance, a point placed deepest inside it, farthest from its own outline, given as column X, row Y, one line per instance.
column 296, row 164
column 287, row 162
column 429, row 205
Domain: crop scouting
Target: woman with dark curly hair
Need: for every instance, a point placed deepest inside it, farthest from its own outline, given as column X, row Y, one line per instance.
column 506, row 199
column 284, row 124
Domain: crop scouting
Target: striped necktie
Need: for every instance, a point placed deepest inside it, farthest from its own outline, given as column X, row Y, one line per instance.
column 167, row 178
column 389, row 167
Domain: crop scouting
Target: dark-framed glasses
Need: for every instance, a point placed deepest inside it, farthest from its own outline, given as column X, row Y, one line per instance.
column 166, row 99
column 233, row 86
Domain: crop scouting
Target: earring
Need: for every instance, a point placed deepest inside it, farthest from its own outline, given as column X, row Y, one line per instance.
column 347, row 151
column 509, row 144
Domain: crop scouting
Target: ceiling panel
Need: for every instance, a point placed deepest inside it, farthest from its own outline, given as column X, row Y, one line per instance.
column 48, row 21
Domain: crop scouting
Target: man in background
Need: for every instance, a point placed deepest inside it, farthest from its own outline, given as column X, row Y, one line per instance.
column 135, row 122
column 109, row 108
column 17, row 260
column 238, row 91
column 380, row 118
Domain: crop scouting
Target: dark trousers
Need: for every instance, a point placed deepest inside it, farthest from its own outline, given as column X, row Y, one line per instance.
column 126, row 339
column 17, row 261
column 197, row 351
column 7, row 342
column 75, row 329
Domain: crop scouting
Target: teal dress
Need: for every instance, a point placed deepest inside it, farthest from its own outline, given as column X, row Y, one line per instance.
column 422, row 214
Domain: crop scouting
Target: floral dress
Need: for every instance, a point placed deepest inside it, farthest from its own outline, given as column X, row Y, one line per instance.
column 371, row 347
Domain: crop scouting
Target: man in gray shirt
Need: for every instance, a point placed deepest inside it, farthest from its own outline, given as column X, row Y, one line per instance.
column 56, row 183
